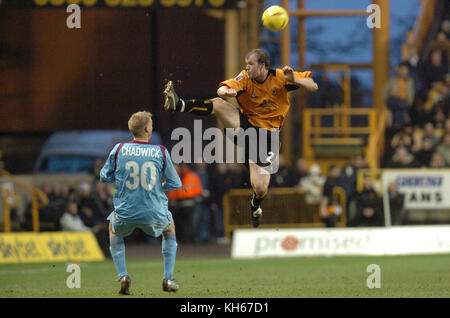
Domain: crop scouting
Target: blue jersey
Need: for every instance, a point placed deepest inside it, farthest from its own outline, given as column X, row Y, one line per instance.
column 137, row 169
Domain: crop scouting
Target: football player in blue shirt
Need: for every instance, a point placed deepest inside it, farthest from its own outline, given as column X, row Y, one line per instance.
column 141, row 172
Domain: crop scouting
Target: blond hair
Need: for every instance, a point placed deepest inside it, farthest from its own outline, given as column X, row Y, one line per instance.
column 138, row 121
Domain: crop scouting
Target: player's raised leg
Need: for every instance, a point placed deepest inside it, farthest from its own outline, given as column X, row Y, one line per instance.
column 117, row 248
column 226, row 113
column 260, row 184
column 169, row 252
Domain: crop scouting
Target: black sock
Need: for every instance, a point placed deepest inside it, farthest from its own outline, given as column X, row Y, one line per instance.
column 256, row 200
column 196, row 106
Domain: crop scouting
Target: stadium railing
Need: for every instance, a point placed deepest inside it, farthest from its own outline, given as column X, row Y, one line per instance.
column 333, row 135
column 283, row 208
column 38, row 200
column 423, row 23
column 376, row 141
column 6, row 212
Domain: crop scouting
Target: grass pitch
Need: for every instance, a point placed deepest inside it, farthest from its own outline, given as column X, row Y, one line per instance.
column 401, row 276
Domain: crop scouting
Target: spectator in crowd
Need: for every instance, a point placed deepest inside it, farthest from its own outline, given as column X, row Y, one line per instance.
column 447, row 126
column 97, row 205
column 96, row 167
column 444, row 149
column 349, row 175
column 184, row 203
column 57, row 193
column 49, row 215
column 347, row 182
column 445, row 27
column 300, row 169
column 439, row 116
column 436, row 94
column 90, row 211
column 68, row 193
column 399, row 109
column 396, row 204
column 398, row 94
column 284, row 177
column 330, row 210
column 47, row 189
column 402, row 158
column 402, row 84
column 103, row 199
column 419, row 115
column 368, row 206
column 312, row 184
column 440, row 111
column 428, row 133
column 205, row 215
column 425, row 142
column 93, row 214
column 221, row 180
column 442, row 44
column 423, row 156
column 57, row 198
column 403, row 138
column 71, row 221
column 447, row 94
column 433, row 69
column 437, row 161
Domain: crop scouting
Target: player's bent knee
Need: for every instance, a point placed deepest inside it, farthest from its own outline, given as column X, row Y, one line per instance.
column 226, row 113
column 260, row 187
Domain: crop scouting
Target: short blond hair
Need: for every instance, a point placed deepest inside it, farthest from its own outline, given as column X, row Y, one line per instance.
column 138, row 121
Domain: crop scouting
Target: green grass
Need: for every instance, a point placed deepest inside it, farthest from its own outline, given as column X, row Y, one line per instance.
column 401, row 276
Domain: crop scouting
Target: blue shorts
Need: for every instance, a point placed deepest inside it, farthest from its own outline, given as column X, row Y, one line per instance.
column 123, row 229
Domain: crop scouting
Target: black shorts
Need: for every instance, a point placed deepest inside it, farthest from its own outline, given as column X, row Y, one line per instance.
column 252, row 145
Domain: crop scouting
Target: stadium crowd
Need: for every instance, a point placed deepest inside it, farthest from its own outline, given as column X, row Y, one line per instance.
column 418, row 136
column 418, row 98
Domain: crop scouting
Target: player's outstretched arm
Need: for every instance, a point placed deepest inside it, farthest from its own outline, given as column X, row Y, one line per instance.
column 225, row 91
column 307, row 82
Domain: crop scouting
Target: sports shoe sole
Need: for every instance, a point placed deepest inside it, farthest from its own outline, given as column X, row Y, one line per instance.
column 171, row 98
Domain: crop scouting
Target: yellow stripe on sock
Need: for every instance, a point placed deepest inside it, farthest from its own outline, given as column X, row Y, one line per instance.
column 198, row 108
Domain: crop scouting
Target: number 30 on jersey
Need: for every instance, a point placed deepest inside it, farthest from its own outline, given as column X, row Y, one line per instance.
column 142, row 177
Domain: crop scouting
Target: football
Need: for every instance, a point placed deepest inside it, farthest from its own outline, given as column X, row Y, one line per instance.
column 275, row 18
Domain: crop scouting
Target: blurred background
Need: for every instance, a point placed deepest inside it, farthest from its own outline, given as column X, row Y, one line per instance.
column 383, row 103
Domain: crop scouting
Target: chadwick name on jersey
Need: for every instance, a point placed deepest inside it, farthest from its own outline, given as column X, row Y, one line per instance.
column 140, row 151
